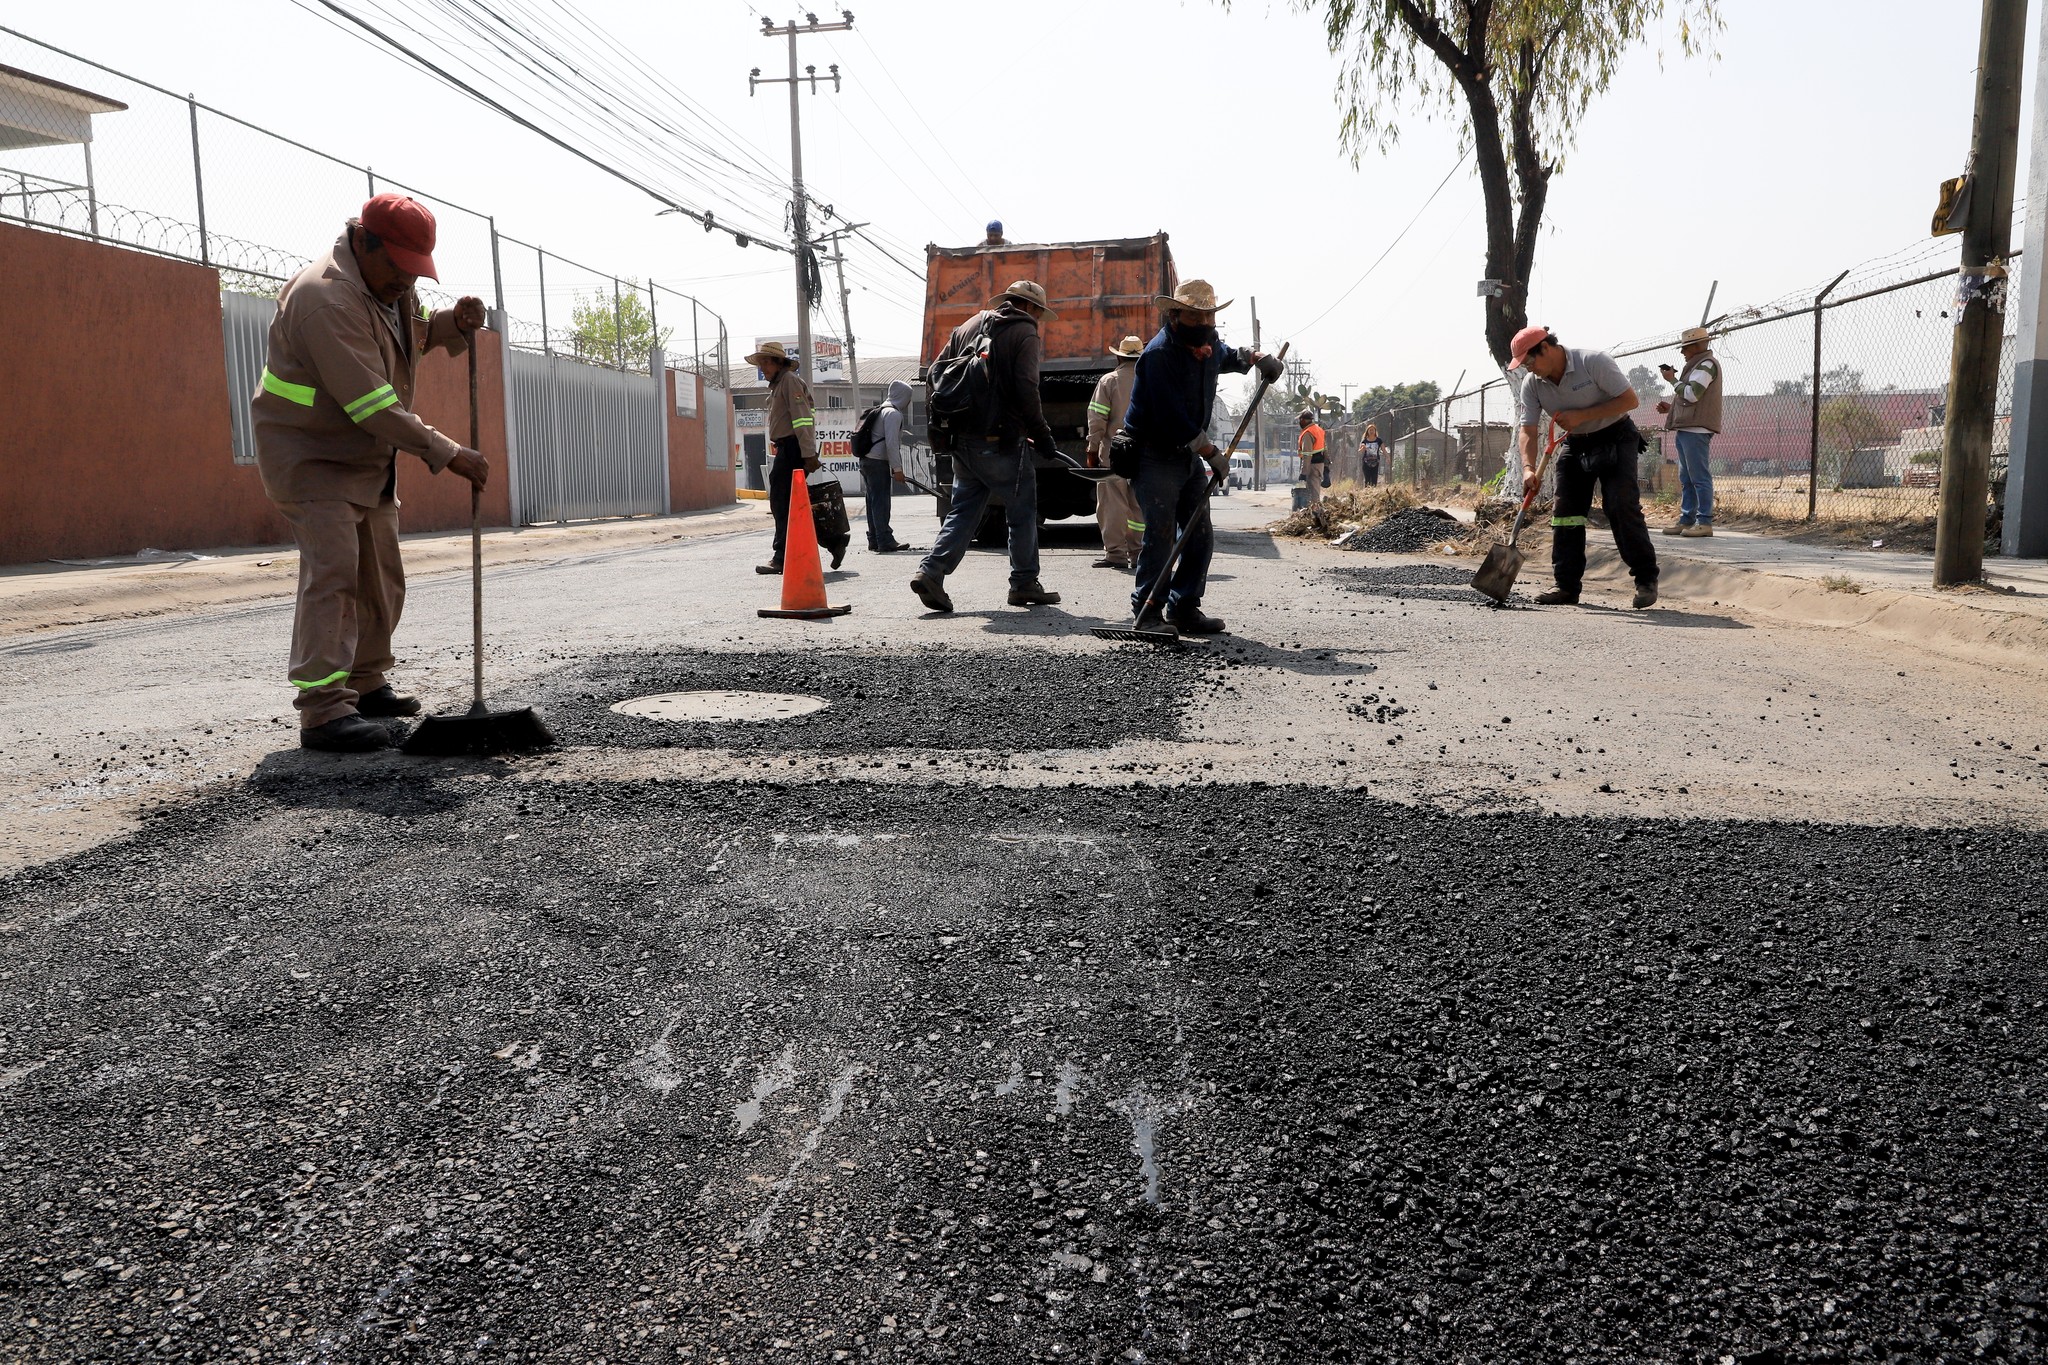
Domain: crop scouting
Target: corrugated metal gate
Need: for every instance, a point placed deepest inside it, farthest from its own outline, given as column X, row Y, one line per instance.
column 587, row 442
column 245, row 330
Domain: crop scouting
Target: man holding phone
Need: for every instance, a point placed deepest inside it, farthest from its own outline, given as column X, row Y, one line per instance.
column 1693, row 416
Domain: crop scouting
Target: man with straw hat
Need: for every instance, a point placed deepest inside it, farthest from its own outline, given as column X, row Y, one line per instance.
column 1116, row 507
column 792, row 431
column 1173, row 396
column 991, row 458
column 1693, row 416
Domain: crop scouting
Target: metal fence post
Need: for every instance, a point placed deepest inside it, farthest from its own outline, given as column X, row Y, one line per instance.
column 618, row 325
column 198, row 180
column 696, row 341
column 372, row 176
column 547, row 346
column 92, row 198
column 1813, row 421
column 497, row 273
column 1479, row 455
column 653, row 325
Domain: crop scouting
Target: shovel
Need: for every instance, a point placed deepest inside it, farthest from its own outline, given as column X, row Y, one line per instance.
column 1270, row 368
column 478, row 730
column 1496, row 576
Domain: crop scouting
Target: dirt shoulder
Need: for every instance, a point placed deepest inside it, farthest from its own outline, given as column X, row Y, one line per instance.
column 49, row 595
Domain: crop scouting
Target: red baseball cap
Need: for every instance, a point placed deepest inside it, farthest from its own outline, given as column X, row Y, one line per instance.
column 407, row 229
column 1526, row 340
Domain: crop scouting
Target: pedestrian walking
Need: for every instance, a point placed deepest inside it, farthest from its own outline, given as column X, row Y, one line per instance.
column 1311, row 445
column 880, row 473
column 1173, row 395
column 1116, row 506
column 793, row 435
column 1590, row 399
column 991, row 456
column 1370, row 448
column 332, row 411
column 1693, row 416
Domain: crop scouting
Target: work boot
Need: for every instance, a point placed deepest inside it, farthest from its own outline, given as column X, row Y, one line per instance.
column 1646, row 594
column 1191, row 621
column 772, row 566
column 349, row 734
column 839, row 553
column 1698, row 529
column 385, row 702
column 931, row 590
column 1152, row 623
column 1678, row 528
column 1111, row 562
column 1032, row 594
column 1557, row 597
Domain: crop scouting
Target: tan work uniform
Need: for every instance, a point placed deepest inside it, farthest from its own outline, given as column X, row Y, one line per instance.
column 1310, row 447
column 1116, row 505
column 332, row 413
column 793, row 436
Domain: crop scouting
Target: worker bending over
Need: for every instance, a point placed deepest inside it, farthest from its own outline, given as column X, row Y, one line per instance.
column 332, row 412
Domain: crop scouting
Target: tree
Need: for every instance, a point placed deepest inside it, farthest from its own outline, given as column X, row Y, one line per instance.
column 1648, row 384
column 1397, row 409
column 1849, row 424
column 1525, row 72
column 1789, row 386
column 616, row 332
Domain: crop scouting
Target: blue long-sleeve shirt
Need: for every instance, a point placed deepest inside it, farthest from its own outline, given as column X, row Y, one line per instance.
column 1174, row 392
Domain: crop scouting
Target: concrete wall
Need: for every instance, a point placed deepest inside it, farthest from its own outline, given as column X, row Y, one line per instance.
column 692, row 486
column 115, row 435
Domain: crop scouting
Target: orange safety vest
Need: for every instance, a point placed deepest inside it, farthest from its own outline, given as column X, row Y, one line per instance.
column 1311, row 441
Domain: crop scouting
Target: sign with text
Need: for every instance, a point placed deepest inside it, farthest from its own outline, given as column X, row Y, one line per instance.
column 828, row 357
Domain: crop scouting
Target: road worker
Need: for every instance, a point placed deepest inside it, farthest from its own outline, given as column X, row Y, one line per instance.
column 792, row 431
column 1116, row 507
column 333, row 410
column 1311, row 445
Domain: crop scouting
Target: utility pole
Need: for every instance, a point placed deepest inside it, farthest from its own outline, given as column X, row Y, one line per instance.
column 2026, row 480
column 1980, row 292
column 1258, row 415
column 806, row 262
column 838, row 239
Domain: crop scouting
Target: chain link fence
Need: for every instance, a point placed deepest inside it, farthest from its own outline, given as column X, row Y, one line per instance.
column 91, row 152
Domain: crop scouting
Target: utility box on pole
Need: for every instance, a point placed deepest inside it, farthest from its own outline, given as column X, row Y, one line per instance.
column 1980, row 298
column 799, row 208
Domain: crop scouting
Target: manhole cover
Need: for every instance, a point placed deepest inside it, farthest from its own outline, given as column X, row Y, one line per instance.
column 720, row 707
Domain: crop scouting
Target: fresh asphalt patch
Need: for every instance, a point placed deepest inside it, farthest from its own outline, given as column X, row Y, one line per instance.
column 944, row 699
column 1411, row 582
column 368, row 1067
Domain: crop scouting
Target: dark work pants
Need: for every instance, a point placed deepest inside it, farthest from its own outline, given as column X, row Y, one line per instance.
column 788, row 459
column 875, row 481
column 1623, row 499
column 1171, row 488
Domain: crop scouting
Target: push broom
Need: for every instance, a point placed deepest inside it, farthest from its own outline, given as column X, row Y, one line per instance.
column 1271, row 367
column 478, row 730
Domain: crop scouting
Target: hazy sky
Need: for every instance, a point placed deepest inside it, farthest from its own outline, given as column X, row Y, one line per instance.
column 1812, row 141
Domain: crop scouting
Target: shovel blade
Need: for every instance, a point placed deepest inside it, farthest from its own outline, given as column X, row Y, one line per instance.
column 1496, row 576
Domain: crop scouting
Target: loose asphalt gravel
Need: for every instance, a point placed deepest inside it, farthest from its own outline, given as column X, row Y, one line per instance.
column 406, row 1063
column 1409, row 531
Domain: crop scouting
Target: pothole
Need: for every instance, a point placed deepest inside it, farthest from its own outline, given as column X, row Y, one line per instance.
column 720, row 708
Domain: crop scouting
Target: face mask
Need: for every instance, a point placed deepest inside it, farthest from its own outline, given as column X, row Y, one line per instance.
column 1194, row 336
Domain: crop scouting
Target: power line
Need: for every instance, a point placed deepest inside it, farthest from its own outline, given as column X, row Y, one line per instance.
column 1299, row 331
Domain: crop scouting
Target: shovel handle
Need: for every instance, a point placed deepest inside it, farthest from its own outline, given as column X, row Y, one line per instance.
column 476, row 548
column 1529, row 498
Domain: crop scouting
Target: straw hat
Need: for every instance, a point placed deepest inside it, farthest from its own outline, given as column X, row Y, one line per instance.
column 1025, row 291
column 1196, row 296
column 771, row 350
column 1130, row 348
column 1692, row 336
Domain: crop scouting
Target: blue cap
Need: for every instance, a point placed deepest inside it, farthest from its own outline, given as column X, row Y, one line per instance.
column 995, row 225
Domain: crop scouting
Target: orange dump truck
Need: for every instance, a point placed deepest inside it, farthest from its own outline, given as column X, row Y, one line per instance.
column 1103, row 291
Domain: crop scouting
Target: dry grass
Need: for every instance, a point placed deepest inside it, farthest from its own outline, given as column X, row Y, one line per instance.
column 1347, row 506
column 1836, row 582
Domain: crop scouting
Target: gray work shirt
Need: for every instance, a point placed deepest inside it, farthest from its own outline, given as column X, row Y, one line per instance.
column 1590, row 378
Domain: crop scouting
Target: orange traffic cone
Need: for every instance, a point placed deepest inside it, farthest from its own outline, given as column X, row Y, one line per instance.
column 803, row 578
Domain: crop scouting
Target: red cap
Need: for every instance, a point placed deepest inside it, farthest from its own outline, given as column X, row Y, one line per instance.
column 407, row 229
column 1526, row 340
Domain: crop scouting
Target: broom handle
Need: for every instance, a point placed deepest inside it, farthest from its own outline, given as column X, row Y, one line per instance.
column 476, row 547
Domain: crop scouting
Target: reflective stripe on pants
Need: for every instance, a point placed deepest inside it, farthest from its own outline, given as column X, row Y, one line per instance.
column 351, row 593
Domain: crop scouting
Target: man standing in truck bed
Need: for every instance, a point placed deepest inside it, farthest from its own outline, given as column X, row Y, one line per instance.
column 993, row 457
column 1172, row 398
column 1116, row 507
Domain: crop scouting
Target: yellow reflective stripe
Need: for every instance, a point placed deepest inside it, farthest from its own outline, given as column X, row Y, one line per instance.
column 302, row 394
column 1134, row 525
column 425, row 315
column 803, row 421
column 375, row 401
column 330, row 679
column 1102, row 408
column 1567, row 521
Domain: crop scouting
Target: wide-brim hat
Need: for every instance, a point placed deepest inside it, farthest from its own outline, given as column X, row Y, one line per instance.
column 771, row 350
column 1195, row 296
column 1130, row 348
column 1695, row 336
column 1025, row 291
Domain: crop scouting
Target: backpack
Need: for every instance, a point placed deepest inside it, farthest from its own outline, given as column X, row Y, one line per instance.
column 866, row 432
column 963, row 392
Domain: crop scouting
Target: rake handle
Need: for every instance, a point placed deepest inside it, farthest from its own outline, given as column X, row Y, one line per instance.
column 476, row 548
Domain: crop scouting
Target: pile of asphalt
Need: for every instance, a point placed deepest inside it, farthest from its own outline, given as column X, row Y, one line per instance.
column 928, row 698
column 365, row 1068
column 1410, row 582
column 1409, row 531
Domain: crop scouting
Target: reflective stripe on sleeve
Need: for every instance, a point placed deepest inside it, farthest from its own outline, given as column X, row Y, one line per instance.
column 1134, row 526
column 1102, row 408
column 1567, row 521
column 330, row 679
column 373, row 402
column 803, row 421
column 302, row 394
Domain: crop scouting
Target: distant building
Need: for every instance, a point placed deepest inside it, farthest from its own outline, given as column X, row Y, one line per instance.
column 839, row 408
